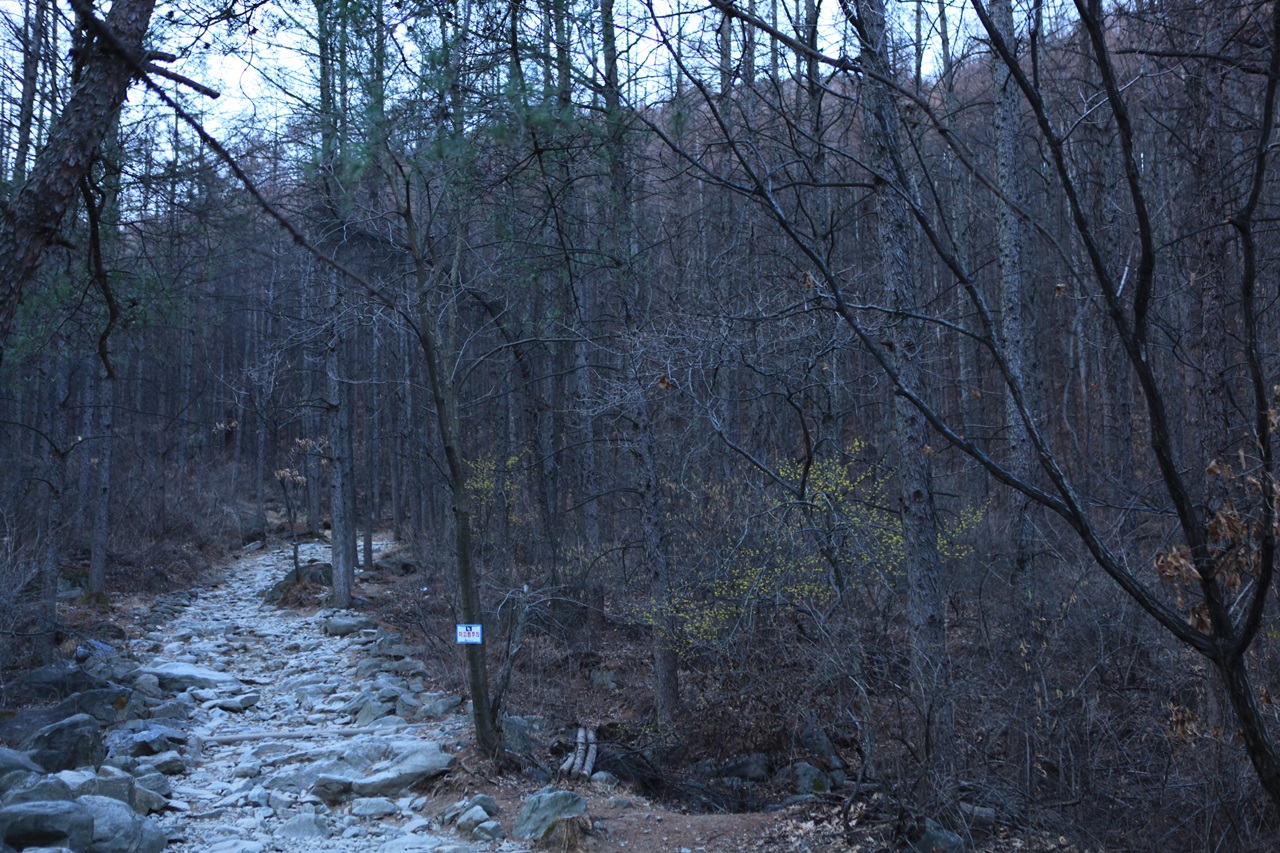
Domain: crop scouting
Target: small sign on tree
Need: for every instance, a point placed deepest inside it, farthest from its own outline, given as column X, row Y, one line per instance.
column 470, row 634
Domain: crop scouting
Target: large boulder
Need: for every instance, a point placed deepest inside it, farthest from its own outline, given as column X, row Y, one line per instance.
column 175, row 676
column 12, row 759
column 36, row 789
column 116, row 829
column 47, row 824
column 423, row 761
column 341, row 625
column 53, row 681
column 752, row 768
column 543, row 810
column 67, row 744
column 142, row 738
column 107, row 705
column 305, row 827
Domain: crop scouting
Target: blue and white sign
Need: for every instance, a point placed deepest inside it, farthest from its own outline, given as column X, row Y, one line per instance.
column 470, row 635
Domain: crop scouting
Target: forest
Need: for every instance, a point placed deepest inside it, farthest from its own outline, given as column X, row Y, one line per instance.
column 903, row 371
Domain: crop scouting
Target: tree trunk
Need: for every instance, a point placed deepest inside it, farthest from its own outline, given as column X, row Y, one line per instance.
column 930, row 661
column 100, row 537
column 31, row 221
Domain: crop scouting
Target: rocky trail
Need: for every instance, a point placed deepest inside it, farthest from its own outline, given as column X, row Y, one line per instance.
column 239, row 727
column 294, row 736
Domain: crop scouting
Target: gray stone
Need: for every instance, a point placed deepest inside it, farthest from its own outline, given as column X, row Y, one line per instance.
column 441, row 706
column 46, row 824
column 305, row 826
column 111, row 782
column 374, row 807
column 330, row 788
column 17, row 778
column 373, row 710
column 146, row 801
column 153, row 780
column 814, row 739
column 413, row 844
column 486, row 802
column 490, row 830
column 604, row 779
column 12, row 759
column 148, row 739
column 423, row 762
column 68, row 744
column 107, row 705
column 169, row 763
column 236, row 704
column 407, row 706
column 37, row 789
column 517, row 734
column 116, row 829
column 753, row 768
column 341, row 626
column 176, row 676
column 803, row 778
column 148, row 684
column 471, row 818
column 935, row 839
column 234, row 845
column 543, row 809
column 53, row 681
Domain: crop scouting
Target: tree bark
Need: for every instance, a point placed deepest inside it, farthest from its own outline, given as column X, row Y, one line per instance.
column 30, row 223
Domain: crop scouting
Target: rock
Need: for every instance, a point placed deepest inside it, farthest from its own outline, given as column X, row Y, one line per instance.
column 236, row 704
column 37, row 789
column 66, row 745
column 753, row 768
column 471, row 818
column 374, row 807
column 517, row 734
column 116, row 829
column 169, row 763
column 490, row 830
column 408, row 706
column 53, row 681
column 175, row 676
column 305, row 827
column 543, row 809
column 814, row 739
column 148, row 685
column 486, row 802
column 12, row 759
column 234, row 845
column 440, row 706
column 153, row 780
column 330, row 788
column 341, row 626
column 146, row 801
column 107, row 705
column 604, row 779
column 46, row 824
column 413, row 844
column 803, row 778
column 373, row 710
column 424, row 762
column 153, row 739
column 933, row 838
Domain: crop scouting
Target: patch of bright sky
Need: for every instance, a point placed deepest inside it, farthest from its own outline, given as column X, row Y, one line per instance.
column 262, row 65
